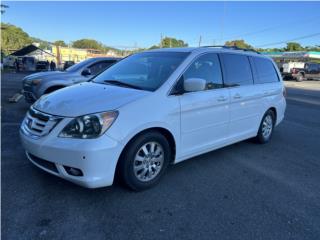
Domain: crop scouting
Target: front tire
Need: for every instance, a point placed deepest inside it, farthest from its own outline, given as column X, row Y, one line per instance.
column 144, row 161
column 266, row 127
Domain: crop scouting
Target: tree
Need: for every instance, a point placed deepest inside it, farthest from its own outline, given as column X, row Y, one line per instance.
column 154, row 47
column 269, row 49
column 313, row 48
column 60, row 43
column 293, row 46
column 172, row 42
column 238, row 43
column 88, row 43
column 42, row 43
column 13, row 38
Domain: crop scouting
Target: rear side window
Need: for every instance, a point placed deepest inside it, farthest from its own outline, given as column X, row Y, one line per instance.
column 265, row 71
column 237, row 70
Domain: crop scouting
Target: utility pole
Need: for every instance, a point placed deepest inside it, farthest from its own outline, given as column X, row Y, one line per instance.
column 161, row 40
column 200, row 38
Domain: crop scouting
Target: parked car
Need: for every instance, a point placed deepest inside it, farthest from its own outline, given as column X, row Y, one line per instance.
column 42, row 66
column 68, row 64
column 37, row 84
column 9, row 61
column 151, row 109
column 300, row 71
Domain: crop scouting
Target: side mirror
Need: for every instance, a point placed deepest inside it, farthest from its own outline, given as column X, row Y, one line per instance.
column 194, row 84
column 86, row 72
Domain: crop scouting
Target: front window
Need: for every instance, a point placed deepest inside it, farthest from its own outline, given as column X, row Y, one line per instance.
column 146, row 71
column 206, row 67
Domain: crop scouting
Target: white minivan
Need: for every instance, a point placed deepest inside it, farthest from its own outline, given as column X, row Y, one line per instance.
column 151, row 109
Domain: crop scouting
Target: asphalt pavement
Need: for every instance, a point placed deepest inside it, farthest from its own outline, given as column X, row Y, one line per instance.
column 243, row 191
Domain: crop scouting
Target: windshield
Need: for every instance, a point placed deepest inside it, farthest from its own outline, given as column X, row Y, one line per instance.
column 78, row 66
column 146, row 71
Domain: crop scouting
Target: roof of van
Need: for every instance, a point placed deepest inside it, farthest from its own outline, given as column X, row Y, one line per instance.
column 207, row 49
column 105, row 58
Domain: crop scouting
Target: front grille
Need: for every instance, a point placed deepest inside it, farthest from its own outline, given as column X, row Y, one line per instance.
column 27, row 87
column 38, row 124
column 29, row 96
column 44, row 163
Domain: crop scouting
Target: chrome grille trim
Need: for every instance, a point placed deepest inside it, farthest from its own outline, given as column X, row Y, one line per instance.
column 37, row 124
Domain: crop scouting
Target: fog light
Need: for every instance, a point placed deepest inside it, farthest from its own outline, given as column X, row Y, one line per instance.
column 73, row 171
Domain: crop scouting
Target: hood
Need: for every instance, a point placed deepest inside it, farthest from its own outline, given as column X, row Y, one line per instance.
column 86, row 98
column 43, row 74
column 48, row 75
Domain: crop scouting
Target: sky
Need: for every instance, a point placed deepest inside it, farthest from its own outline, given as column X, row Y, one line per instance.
column 141, row 24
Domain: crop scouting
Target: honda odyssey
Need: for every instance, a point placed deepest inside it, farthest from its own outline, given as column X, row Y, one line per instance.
column 151, row 109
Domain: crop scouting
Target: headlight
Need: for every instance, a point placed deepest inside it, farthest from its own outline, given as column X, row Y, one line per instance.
column 89, row 126
column 36, row 81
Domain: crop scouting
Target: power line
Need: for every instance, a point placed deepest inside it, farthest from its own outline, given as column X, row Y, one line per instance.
column 293, row 39
column 299, row 22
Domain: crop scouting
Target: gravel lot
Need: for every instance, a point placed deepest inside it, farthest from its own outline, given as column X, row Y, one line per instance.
column 243, row 191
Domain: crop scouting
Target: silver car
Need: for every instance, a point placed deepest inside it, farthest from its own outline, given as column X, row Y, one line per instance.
column 37, row 84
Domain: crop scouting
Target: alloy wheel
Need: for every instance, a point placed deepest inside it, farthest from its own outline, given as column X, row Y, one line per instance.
column 148, row 161
column 267, row 126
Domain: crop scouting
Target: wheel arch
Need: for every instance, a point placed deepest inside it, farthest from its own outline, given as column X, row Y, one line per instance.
column 53, row 88
column 274, row 110
column 164, row 131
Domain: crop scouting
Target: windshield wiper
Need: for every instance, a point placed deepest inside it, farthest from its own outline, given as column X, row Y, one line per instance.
column 119, row 83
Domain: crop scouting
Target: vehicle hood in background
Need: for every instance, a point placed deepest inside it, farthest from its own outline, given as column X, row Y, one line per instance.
column 86, row 98
column 49, row 75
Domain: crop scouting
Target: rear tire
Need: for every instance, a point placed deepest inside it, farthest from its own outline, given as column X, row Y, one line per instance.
column 144, row 161
column 266, row 127
column 299, row 78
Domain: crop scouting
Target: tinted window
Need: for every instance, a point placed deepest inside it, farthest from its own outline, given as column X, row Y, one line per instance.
column 99, row 67
column 208, row 68
column 313, row 67
column 265, row 71
column 80, row 65
column 237, row 70
column 147, row 71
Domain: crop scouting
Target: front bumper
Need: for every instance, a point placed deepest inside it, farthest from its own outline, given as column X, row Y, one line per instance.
column 95, row 158
column 28, row 94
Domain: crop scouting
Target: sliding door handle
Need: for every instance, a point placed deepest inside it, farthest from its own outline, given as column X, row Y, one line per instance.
column 237, row 96
column 222, row 99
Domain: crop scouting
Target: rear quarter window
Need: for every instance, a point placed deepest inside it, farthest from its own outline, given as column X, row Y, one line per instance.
column 265, row 71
